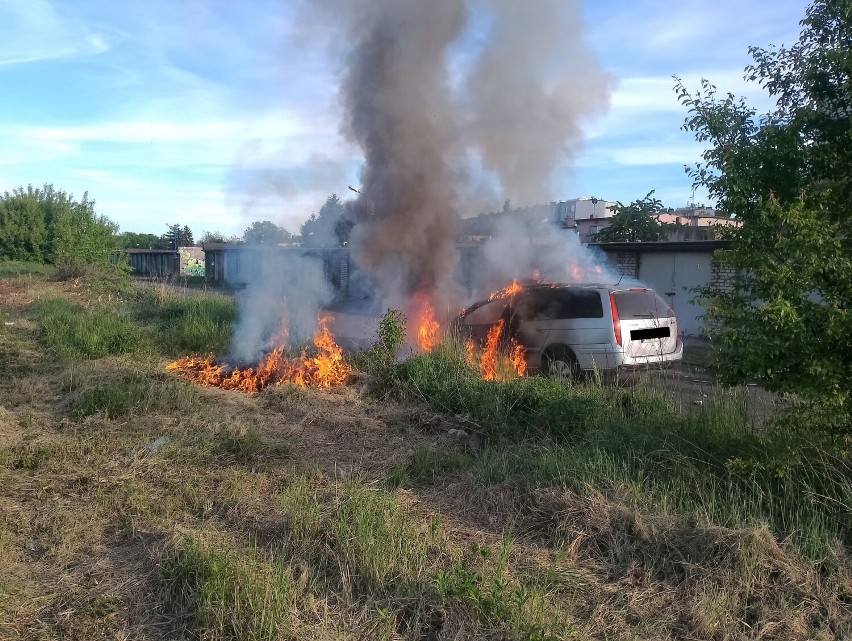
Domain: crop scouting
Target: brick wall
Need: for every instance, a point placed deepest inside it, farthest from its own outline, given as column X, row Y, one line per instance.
column 627, row 263
column 721, row 276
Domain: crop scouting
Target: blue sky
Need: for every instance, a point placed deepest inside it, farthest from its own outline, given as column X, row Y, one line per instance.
column 215, row 113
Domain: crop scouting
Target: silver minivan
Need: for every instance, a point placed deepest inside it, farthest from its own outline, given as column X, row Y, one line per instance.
column 567, row 328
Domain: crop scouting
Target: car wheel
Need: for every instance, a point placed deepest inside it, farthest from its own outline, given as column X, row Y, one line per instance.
column 561, row 363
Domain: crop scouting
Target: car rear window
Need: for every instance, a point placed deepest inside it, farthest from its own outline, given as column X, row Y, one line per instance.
column 640, row 303
column 555, row 304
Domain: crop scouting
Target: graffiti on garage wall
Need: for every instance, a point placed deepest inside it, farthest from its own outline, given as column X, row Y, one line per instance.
column 191, row 261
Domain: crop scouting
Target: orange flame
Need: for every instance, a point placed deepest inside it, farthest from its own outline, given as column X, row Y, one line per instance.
column 470, row 352
column 428, row 333
column 511, row 290
column 488, row 361
column 326, row 369
column 576, row 274
column 517, row 358
column 494, row 365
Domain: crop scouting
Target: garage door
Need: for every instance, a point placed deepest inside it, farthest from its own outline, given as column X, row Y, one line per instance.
column 673, row 275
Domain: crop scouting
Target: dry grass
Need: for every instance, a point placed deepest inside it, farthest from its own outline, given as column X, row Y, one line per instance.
column 169, row 512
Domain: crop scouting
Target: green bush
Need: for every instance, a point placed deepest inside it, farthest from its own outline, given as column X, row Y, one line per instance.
column 48, row 225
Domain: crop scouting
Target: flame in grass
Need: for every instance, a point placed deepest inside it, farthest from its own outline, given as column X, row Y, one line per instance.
column 470, row 353
column 493, row 363
column 327, row 369
column 428, row 332
column 488, row 360
column 519, row 362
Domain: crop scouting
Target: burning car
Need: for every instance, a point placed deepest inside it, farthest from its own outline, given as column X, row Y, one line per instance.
column 564, row 329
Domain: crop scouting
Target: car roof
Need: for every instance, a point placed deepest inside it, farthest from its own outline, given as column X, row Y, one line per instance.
column 543, row 287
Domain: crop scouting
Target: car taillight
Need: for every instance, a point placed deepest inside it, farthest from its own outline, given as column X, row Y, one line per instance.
column 677, row 333
column 616, row 324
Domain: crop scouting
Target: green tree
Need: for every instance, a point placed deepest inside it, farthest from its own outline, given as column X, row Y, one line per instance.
column 186, row 237
column 178, row 236
column 266, row 232
column 786, row 320
column 132, row 240
column 23, row 229
column 49, row 225
column 81, row 236
column 217, row 236
column 331, row 228
column 172, row 237
column 635, row 222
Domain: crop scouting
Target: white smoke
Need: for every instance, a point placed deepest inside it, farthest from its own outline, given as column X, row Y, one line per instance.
column 283, row 291
column 519, row 250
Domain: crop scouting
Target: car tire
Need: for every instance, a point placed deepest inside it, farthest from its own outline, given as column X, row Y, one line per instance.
column 561, row 363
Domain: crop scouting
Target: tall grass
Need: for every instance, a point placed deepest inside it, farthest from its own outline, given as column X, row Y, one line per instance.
column 523, row 406
column 187, row 322
column 75, row 332
column 167, row 321
column 359, row 543
column 707, row 465
column 18, row 268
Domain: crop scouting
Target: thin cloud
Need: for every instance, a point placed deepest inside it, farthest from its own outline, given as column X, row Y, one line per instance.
column 33, row 30
column 173, row 110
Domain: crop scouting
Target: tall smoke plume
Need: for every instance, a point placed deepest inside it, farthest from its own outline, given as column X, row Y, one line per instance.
column 399, row 110
column 423, row 117
column 534, row 85
column 445, row 99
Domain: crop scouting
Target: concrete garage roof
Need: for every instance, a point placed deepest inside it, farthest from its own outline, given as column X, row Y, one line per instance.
column 665, row 245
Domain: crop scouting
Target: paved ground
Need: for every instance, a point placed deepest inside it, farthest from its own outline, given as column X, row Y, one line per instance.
column 692, row 387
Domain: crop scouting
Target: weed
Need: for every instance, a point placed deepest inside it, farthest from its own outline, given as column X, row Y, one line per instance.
column 242, row 443
column 380, row 359
column 200, row 322
column 134, row 393
column 72, row 331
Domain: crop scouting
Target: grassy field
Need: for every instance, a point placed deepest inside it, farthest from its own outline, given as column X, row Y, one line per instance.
column 137, row 505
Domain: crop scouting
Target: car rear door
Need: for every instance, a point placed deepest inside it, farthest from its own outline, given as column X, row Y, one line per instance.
column 648, row 324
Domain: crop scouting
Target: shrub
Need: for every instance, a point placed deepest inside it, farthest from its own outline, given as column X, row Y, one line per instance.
column 380, row 359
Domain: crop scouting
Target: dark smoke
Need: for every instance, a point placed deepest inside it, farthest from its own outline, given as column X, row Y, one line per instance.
column 398, row 109
column 518, row 108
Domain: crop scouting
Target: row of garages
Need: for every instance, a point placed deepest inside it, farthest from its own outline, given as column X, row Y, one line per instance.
column 674, row 269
